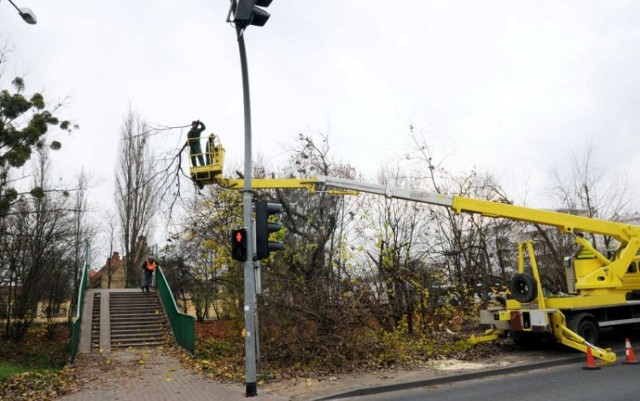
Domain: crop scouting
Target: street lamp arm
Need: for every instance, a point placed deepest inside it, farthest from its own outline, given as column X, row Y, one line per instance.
column 27, row 15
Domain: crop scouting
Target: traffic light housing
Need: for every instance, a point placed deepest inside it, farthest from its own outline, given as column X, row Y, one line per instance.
column 239, row 244
column 248, row 12
column 264, row 228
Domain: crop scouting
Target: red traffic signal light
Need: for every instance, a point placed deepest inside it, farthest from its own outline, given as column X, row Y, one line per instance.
column 239, row 244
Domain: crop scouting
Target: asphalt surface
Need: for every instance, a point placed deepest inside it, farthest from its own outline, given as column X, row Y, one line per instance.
column 565, row 357
column 454, row 378
column 617, row 382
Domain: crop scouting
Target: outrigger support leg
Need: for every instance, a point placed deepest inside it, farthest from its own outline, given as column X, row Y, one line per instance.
column 489, row 335
column 567, row 337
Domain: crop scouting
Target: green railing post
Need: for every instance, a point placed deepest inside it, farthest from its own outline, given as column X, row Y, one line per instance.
column 183, row 326
column 75, row 326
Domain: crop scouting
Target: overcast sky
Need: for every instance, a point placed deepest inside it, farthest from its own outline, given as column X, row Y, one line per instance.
column 506, row 86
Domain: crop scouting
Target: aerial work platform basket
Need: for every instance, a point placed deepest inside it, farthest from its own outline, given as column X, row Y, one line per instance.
column 211, row 172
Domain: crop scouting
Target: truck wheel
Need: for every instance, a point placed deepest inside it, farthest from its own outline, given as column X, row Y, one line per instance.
column 523, row 287
column 586, row 326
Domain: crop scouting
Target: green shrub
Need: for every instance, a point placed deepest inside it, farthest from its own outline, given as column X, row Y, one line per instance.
column 7, row 370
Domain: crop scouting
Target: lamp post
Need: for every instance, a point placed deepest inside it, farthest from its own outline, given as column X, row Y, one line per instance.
column 249, row 270
column 246, row 13
column 27, row 15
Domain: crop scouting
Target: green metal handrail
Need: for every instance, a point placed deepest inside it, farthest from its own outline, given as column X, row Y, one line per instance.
column 183, row 326
column 75, row 326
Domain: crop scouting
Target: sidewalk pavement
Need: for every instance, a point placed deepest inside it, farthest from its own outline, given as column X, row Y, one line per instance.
column 154, row 375
column 157, row 375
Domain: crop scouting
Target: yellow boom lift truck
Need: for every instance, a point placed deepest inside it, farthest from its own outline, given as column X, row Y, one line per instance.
column 600, row 288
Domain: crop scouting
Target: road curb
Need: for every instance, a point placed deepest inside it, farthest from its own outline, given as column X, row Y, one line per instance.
column 451, row 378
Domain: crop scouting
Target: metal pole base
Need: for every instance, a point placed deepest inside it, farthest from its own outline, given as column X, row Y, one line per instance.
column 252, row 389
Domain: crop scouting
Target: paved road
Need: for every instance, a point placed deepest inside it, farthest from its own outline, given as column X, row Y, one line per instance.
column 552, row 357
column 152, row 375
column 567, row 383
column 156, row 375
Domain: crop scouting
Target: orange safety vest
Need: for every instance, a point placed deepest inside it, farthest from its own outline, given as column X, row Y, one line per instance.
column 151, row 266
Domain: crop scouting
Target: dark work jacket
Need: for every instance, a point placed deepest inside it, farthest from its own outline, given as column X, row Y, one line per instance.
column 194, row 133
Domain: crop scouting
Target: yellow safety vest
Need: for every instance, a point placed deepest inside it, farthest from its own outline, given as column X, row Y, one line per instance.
column 585, row 254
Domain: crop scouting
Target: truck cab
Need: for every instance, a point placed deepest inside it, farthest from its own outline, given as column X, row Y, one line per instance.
column 631, row 281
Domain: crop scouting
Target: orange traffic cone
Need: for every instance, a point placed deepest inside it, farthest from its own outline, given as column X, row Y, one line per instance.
column 591, row 363
column 631, row 357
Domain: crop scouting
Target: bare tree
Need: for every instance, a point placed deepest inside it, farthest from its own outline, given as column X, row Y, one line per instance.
column 200, row 257
column 41, row 231
column 82, row 232
column 401, row 235
column 35, row 257
column 111, row 229
column 136, row 188
column 469, row 245
column 591, row 190
column 308, row 286
column 583, row 189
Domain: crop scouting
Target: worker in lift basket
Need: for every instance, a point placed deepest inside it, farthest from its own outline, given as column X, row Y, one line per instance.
column 193, row 139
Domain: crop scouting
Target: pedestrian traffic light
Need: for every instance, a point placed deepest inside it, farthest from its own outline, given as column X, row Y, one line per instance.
column 248, row 12
column 264, row 228
column 239, row 244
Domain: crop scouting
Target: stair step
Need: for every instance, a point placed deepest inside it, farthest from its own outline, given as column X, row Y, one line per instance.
column 152, row 334
column 125, row 301
column 136, row 318
column 134, row 326
column 155, row 333
column 144, row 313
column 138, row 340
column 136, row 300
column 152, row 330
column 137, row 322
column 134, row 307
column 150, row 311
column 133, row 318
column 138, row 329
column 138, row 343
column 133, row 329
column 130, row 337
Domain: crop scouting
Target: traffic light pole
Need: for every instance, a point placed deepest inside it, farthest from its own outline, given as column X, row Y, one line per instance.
column 249, row 271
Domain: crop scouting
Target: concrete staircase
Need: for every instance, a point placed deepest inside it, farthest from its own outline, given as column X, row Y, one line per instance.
column 122, row 318
column 137, row 320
